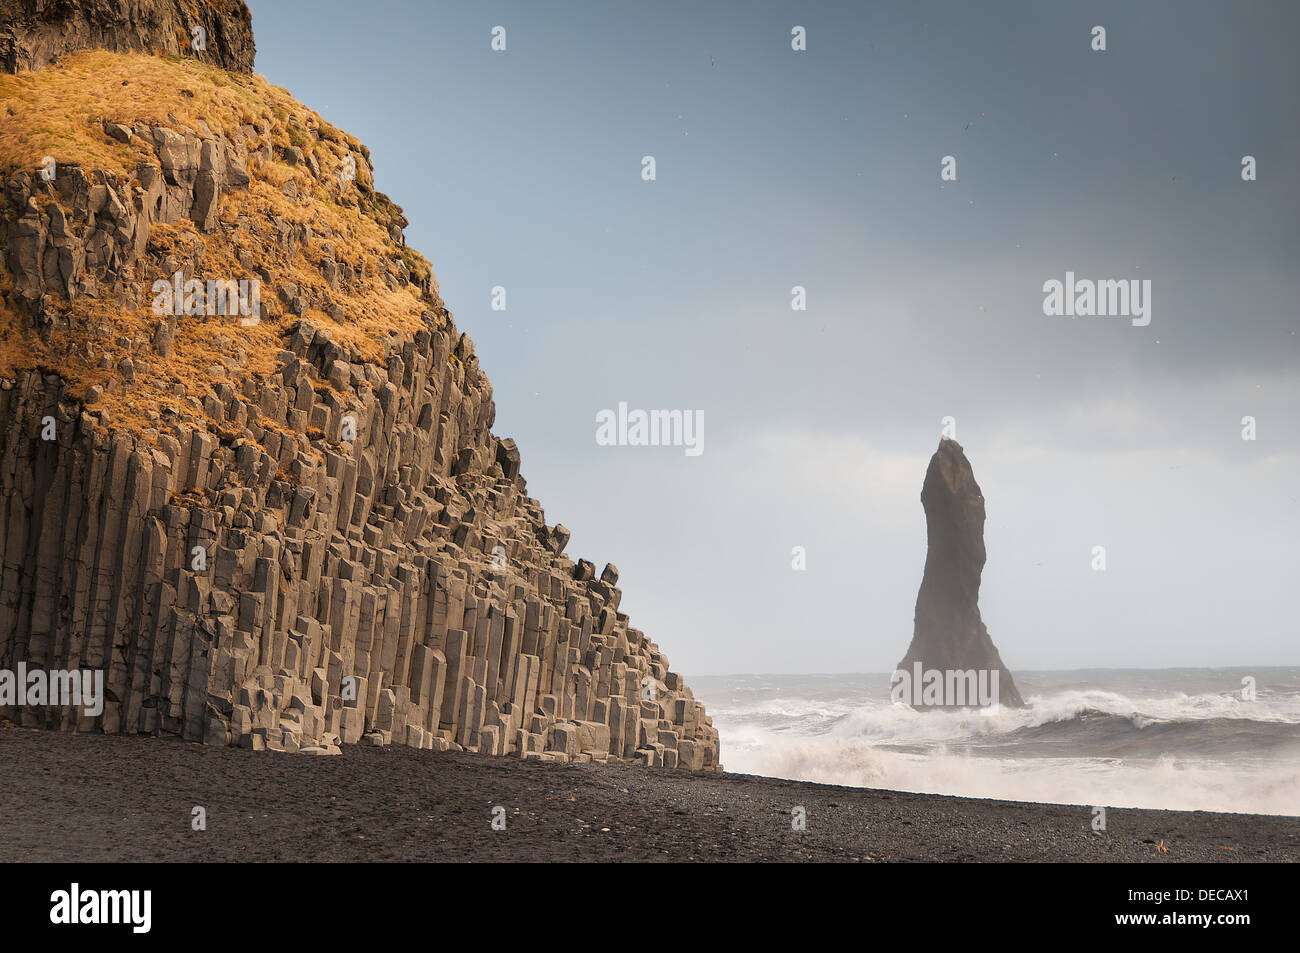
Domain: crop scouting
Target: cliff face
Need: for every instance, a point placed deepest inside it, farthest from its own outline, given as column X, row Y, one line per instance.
column 288, row 528
column 949, row 635
column 34, row 33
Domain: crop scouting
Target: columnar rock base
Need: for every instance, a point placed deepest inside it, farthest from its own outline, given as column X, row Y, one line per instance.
column 398, row 587
column 294, row 535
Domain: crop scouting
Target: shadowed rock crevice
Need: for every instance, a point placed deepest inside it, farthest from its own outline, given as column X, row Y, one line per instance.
column 949, row 634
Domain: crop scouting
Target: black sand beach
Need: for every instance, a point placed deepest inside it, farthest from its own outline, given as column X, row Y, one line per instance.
column 90, row 798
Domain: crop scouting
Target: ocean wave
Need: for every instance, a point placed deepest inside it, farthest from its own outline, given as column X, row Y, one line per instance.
column 1165, row 782
column 880, row 720
column 1172, row 750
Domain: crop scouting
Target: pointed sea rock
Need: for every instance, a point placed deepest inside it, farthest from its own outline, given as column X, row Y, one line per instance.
column 949, row 635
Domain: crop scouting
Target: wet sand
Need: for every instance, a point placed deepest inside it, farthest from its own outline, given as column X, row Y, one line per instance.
column 79, row 798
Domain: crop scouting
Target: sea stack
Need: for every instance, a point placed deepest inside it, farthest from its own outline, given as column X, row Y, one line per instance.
column 949, row 635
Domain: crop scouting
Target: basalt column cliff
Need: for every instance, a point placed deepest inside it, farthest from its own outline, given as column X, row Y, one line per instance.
column 950, row 635
column 246, row 461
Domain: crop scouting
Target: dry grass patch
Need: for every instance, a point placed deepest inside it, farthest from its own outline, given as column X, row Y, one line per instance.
column 60, row 112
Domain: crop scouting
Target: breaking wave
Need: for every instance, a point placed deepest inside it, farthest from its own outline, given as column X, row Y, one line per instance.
column 1174, row 750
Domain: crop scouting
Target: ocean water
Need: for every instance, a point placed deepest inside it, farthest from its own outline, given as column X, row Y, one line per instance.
column 1178, row 739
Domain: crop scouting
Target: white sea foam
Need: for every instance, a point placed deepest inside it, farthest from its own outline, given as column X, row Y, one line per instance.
column 856, row 737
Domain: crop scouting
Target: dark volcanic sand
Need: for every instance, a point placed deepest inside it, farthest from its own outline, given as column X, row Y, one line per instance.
column 80, row 798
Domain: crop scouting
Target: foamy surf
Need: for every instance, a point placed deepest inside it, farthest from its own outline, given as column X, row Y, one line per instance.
column 1175, row 740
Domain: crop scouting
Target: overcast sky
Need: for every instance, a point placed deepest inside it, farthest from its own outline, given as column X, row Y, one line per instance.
column 821, row 168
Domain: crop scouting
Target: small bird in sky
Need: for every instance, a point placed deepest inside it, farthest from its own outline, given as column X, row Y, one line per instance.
column 712, row 62
column 968, row 125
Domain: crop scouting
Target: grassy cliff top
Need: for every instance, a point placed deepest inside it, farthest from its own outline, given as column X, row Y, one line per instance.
column 293, row 163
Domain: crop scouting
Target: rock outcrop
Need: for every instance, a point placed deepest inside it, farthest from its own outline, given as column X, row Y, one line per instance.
column 949, row 635
column 35, row 33
column 296, row 530
column 88, row 240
